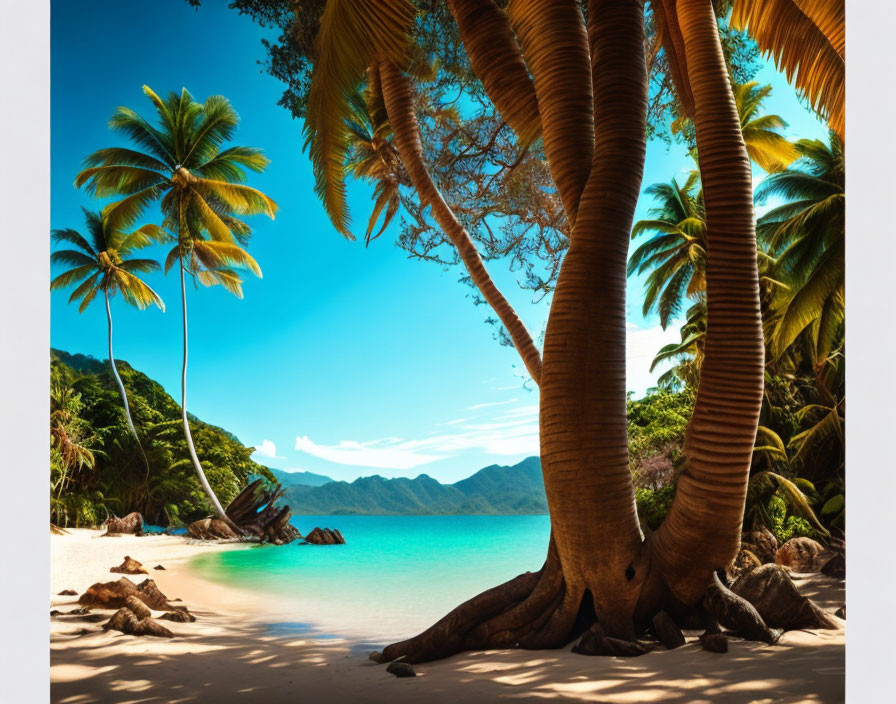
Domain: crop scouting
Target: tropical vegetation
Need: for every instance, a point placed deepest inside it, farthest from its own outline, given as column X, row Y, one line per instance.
column 94, row 472
column 200, row 185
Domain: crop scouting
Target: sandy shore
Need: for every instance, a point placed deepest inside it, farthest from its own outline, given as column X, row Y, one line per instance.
column 244, row 647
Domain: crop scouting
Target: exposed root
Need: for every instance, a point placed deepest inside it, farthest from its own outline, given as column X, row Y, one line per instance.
column 533, row 610
column 736, row 613
column 595, row 642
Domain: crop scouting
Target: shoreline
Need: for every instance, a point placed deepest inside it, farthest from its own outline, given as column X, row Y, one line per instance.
column 247, row 646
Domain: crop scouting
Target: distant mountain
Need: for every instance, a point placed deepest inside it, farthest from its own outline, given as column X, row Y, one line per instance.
column 491, row 490
column 288, row 479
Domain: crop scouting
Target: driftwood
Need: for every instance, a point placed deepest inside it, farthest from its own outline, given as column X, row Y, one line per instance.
column 254, row 512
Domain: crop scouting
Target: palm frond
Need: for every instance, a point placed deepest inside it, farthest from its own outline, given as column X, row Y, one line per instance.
column 352, row 34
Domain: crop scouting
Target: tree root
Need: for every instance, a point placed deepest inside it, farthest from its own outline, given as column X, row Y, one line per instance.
column 533, row 610
column 736, row 613
column 541, row 610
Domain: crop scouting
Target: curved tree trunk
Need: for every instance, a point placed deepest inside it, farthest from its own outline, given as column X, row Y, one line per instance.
column 595, row 562
column 400, row 110
column 121, row 389
column 702, row 530
column 206, row 487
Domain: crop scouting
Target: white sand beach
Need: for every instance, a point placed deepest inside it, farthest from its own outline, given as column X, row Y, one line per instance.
column 233, row 654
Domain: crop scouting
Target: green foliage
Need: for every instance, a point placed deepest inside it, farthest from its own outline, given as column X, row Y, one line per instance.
column 785, row 525
column 653, row 505
column 656, row 425
column 118, row 482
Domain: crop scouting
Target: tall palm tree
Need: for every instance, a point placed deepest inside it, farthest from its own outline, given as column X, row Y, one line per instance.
column 201, row 188
column 806, row 235
column 102, row 262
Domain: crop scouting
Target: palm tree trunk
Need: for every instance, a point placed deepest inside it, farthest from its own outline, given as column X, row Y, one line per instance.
column 702, row 530
column 595, row 559
column 206, row 487
column 121, row 389
column 584, row 438
column 400, row 110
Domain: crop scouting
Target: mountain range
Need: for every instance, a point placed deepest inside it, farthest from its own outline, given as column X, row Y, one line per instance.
column 492, row 490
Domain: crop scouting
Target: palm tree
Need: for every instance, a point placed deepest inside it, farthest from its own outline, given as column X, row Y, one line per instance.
column 806, row 235
column 202, row 193
column 583, row 88
column 103, row 263
column 373, row 157
column 688, row 353
column 676, row 254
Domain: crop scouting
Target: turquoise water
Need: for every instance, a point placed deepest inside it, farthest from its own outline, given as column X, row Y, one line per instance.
column 394, row 576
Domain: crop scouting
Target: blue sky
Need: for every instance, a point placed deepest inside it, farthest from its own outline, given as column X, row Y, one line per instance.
column 342, row 360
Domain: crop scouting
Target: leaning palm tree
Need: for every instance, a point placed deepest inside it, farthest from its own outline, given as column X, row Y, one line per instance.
column 201, row 188
column 102, row 262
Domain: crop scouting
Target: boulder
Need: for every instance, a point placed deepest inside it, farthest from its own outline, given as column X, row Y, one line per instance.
column 211, row 529
column 325, row 536
column 129, row 566
column 762, row 543
column 126, row 621
column 123, row 620
column 108, row 595
column 841, row 612
column 80, row 611
column 835, row 567
column 68, row 592
column 158, row 567
column 800, row 555
column 772, row 592
column 401, row 669
column 179, row 615
column 715, row 642
column 132, row 523
column 114, row 595
column 55, row 612
column 150, row 595
column 140, row 609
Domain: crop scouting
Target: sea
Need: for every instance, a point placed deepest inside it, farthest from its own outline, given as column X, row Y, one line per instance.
column 394, row 577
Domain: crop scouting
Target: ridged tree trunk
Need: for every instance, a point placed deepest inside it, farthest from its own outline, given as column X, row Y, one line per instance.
column 701, row 533
column 400, row 109
column 206, row 487
column 121, row 389
column 595, row 554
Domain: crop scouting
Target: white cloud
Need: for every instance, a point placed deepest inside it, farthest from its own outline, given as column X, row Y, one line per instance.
column 267, row 449
column 477, row 406
column 514, row 433
column 386, row 453
column 641, row 347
